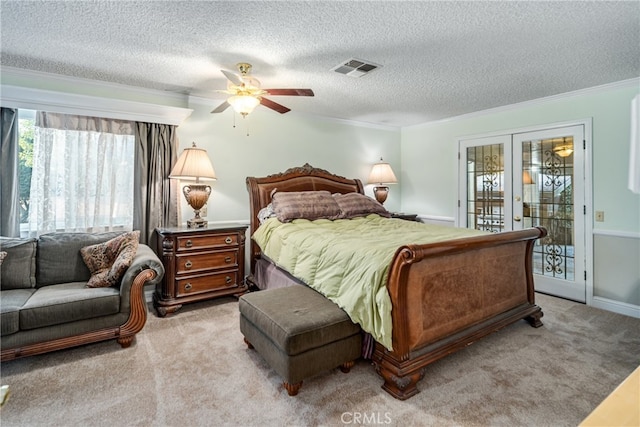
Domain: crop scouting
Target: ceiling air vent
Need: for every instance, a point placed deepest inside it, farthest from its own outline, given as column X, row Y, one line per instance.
column 355, row 67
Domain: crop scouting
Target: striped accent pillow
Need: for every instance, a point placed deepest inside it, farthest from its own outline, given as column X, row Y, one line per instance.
column 311, row 205
column 354, row 205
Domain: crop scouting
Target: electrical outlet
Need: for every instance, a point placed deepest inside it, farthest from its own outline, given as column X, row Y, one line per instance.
column 204, row 211
column 600, row 216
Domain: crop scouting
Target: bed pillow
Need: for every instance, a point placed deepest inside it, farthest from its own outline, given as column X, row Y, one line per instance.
column 309, row 205
column 109, row 261
column 353, row 205
column 266, row 213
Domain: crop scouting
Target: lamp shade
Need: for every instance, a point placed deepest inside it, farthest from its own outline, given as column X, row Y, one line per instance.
column 193, row 164
column 381, row 173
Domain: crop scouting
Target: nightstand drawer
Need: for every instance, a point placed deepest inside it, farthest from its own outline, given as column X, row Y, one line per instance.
column 189, row 243
column 211, row 282
column 189, row 263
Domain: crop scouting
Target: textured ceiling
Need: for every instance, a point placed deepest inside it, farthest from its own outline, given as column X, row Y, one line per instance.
column 439, row 59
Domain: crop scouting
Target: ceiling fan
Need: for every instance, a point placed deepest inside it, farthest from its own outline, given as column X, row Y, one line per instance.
column 246, row 93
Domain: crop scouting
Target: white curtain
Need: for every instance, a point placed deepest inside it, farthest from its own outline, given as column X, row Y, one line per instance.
column 82, row 177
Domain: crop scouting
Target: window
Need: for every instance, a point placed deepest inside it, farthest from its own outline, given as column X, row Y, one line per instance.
column 76, row 173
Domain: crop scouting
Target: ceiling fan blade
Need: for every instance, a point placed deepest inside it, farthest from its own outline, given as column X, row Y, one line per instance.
column 274, row 106
column 233, row 77
column 220, row 108
column 290, row 92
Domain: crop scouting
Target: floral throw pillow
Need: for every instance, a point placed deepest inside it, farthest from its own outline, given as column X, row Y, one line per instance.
column 108, row 261
column 3, row 255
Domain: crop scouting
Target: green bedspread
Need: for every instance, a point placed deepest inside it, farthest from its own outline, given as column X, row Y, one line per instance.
column 348, row 260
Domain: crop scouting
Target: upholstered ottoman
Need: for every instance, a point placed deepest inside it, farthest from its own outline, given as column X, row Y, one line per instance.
column 299, row 332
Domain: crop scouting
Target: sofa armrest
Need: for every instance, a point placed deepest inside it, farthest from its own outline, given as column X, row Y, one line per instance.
column 144, row 260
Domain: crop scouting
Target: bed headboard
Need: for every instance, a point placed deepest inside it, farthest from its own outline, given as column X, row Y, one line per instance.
column 303, row 178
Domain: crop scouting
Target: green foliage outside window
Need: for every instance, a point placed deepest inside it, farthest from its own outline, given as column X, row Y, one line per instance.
column 25, row 159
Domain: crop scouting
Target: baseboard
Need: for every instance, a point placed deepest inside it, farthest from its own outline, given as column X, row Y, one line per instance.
column 438, row 220
column 616, row 306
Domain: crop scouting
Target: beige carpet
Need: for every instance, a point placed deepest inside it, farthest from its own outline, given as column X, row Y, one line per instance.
column 194, row 369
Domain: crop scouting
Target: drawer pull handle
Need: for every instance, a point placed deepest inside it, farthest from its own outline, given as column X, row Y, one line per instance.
column 228, row 240
column 227, row 259
column 228, row 280
column 187, row 286
column 188, row 243
column 188, row 264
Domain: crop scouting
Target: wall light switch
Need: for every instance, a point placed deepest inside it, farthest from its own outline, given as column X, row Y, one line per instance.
column 600, row 216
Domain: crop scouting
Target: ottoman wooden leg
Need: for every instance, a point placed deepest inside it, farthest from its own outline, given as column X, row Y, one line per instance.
column 292, row 389
column 248, row 344
column 346, row 366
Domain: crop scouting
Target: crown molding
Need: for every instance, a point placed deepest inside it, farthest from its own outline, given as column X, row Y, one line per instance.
column 13, row 73
column 623, row 84
column 86, row 105
column 36, row 94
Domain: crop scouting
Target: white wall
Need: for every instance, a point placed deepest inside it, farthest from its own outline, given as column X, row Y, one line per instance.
column 277, row 142
column 429, row 152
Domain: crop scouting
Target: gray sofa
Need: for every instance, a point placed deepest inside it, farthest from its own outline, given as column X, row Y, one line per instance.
column 45, row 305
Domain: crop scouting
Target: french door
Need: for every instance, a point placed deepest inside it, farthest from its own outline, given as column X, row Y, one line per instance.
column 520, row 180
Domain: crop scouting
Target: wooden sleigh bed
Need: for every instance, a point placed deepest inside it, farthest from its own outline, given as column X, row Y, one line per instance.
column 444, row 296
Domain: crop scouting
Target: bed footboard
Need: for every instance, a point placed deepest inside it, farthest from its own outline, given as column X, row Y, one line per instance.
column 447, row 295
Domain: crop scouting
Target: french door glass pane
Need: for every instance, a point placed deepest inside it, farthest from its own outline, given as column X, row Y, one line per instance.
column 485, row 187
column 547, row 181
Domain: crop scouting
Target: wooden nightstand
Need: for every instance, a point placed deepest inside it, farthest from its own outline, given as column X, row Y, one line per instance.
column 199, row 264
column 408, row 217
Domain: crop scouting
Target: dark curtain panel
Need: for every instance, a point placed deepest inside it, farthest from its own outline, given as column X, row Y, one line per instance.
column 155, row 195
column 9, row 180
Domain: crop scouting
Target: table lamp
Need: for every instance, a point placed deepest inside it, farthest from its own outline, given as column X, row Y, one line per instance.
column 381, row 174
column 194, row 164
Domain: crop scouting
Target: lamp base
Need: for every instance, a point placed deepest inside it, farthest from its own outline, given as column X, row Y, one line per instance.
column 197, row 223
column 381, row 193
column 197, row 196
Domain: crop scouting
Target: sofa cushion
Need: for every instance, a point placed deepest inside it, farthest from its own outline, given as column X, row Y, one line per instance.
column 108, row 261
column 59, row 259
column 19, row 266
column 10, row 304
column 67, row 302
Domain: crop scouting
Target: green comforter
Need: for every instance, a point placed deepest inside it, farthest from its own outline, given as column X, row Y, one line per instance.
column 348, row 260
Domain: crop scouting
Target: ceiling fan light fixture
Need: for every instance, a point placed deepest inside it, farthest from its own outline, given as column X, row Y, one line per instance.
column 243, row 104
column 246, row 93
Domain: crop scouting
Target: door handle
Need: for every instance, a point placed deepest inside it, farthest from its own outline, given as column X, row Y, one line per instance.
column 517, row 218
